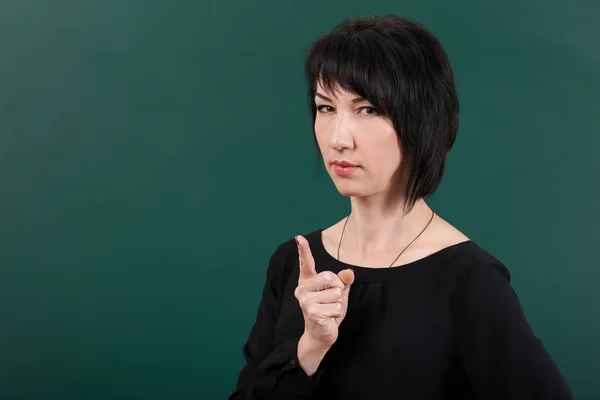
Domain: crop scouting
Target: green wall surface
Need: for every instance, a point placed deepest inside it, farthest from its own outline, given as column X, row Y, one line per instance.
column 153, row 154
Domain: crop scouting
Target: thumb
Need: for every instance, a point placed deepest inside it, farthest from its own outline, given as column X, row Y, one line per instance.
column 347, row 276
column 306, row 260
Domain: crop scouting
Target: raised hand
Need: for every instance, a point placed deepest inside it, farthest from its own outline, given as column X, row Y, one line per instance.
column 323, row 298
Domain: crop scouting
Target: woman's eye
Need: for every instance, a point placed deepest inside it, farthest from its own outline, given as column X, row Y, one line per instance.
column 324, row 108
column 369, row 110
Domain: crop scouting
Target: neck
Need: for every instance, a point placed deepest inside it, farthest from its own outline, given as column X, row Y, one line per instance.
column 376, row 227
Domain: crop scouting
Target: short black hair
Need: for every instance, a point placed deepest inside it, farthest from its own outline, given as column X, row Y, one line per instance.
column 403, row 70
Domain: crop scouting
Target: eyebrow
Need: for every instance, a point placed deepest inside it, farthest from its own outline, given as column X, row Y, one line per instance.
column 356, row 100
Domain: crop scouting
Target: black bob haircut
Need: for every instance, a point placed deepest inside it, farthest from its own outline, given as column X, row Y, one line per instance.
column 402, row 69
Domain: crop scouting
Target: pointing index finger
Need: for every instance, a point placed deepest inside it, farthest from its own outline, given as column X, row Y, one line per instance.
column 306, row 260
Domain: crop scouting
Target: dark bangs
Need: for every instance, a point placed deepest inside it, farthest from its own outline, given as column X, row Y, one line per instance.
column 403, row 70
column 353, row 62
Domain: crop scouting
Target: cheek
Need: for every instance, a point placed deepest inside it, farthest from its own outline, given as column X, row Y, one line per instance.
column 393, row 153
column 320, row 130
column 384, row 160
column 382, row 146
column 383, row 164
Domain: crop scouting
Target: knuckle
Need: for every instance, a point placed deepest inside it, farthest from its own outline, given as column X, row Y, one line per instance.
column 302, row 301
column 333, row 278
column 339, row 308
column 330, row 277
column 302, row 297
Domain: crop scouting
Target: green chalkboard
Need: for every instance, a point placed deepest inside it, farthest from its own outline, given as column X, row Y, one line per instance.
column 153, row 154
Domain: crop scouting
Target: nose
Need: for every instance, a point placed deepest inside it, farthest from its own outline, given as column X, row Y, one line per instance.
column 341, row 136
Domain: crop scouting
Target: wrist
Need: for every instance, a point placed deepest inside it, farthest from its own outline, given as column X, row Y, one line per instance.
column 310, row 354
column 311, row 346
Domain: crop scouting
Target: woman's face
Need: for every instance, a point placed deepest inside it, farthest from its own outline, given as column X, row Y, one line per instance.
column 350, row 130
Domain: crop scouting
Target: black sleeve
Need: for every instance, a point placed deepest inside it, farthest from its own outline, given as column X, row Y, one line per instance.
column 271, row 372
column 502, row 357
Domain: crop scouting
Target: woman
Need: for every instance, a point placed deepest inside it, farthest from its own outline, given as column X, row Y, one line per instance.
column 392, row 301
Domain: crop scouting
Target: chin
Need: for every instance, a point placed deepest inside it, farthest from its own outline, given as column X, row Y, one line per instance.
column 353, row 189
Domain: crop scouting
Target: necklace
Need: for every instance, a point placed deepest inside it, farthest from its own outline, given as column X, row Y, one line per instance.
column 344, row 229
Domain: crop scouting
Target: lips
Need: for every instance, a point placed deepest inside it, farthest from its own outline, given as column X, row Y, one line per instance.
column 344, row 164
column 344, row 168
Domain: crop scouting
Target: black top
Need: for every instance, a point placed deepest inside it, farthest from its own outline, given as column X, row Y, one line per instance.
column 447, row 326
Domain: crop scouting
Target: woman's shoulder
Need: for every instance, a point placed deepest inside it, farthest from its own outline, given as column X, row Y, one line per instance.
column 478, row 261
column 465, row 262
column 470, row 256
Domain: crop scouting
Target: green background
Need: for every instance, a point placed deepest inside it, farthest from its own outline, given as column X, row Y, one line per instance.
column 154, row 154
